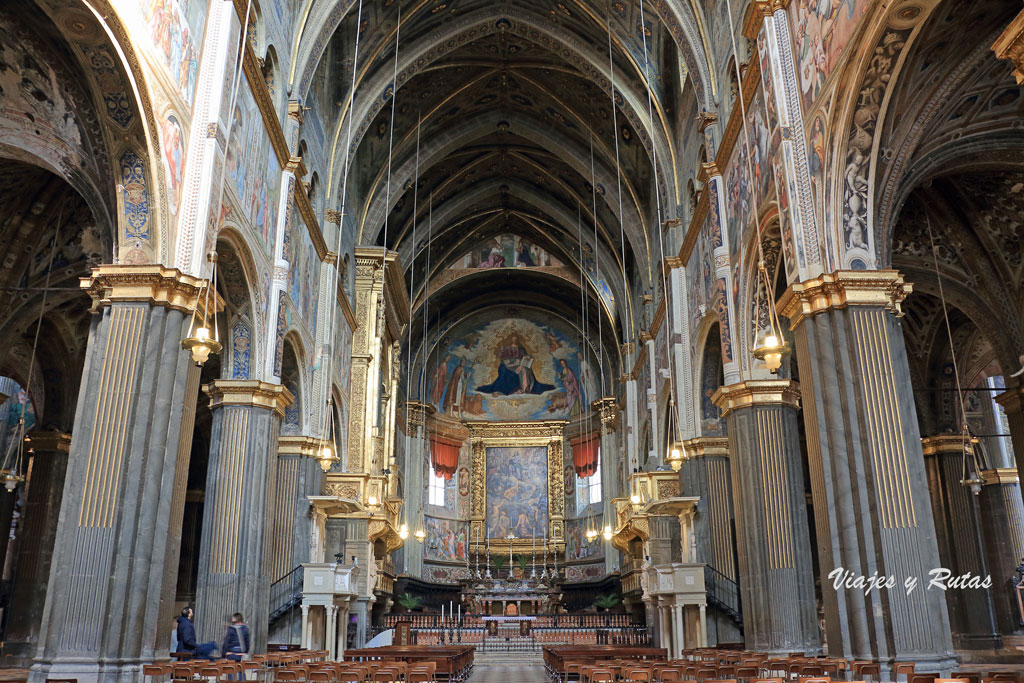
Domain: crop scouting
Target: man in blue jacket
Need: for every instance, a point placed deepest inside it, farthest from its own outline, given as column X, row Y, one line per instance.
column 187, row 638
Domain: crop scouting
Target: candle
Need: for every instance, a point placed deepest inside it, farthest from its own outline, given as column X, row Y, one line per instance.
column 442, row 612
column 459, row 619
column 450, row 610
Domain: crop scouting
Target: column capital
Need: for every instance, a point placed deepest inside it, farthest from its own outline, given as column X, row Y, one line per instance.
column 707, row 446
column 154, row 284
column 248, row 392
column 1000, row 475
column 757, row 392
column 841, row 289
column 418, row 414
column 305, row 446
column 1012, row 400
column 942, row 444
column 47, row 441
column 1010, row 46
column 608, row 408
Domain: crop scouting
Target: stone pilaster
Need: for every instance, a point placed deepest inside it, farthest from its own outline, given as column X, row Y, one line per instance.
column 866, row 468
column 240, row 485
column 110, row 594
column 42, row 509
column 414, row 486
column 298, row 476
column 610, row 420
column 706, row 474
column 958, row 531
column 1002, row 528
column 772, row 538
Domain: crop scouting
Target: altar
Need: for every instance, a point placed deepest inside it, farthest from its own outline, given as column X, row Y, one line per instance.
column 511, row 599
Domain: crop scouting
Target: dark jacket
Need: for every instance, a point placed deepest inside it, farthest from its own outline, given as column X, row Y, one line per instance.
column 186, row 635
column 236, row 641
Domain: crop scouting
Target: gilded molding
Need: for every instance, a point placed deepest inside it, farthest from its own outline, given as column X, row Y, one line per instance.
column 645, row 336
column 1012, row 400
column 418, row 413
column 248, row 392
column 295, row 111
column 333, row 216
column 673, row 262
column 1010, row 46
column 153, row 284
column 705, row 119
column 842, row 288
column 757, row 392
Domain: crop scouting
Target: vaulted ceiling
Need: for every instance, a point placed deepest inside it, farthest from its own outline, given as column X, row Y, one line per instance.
column 503, row 122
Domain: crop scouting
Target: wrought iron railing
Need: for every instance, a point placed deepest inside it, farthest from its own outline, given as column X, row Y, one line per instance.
column 723, row 594
column 285, row 593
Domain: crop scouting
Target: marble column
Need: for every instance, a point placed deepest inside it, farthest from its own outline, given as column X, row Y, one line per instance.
column 958, row 531
column 872, row 512
column 297, row 476
column 772, row 539
column 1012, row 401
column 42, row 509
column 240, row 485
column 110, row 596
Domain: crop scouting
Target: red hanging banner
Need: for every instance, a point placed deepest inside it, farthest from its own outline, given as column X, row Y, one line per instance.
column 444, row 454
column 584, row 454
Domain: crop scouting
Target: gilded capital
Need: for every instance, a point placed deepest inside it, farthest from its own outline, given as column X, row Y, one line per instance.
column 1001, row 475
column 153, row 284
column 757, row 392
column 609, row 411
column 1012, row 400
column 1010, row 46
column 705, row 119
column 841, row 289
column 44, row 441
column 305, row 446
column 248, row 392
column 945, row 444
column 706, row 447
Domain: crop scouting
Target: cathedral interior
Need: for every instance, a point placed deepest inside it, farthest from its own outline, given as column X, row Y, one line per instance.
column 543, row 332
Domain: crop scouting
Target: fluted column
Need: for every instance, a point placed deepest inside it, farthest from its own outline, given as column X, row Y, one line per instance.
column 110, row 595
column 240, row 485
column 706, row 474
column 872, row 511
column 772, row 538
column 1002, row 527
column 297, row 476
column 958, row 531
column 42, row 508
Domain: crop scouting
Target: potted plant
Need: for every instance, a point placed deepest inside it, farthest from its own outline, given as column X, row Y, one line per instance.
column 498, row 561
column 410, row 603
column 606, row 602
column 520, row 571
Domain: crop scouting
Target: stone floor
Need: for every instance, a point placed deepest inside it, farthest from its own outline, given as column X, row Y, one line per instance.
column 508, row 668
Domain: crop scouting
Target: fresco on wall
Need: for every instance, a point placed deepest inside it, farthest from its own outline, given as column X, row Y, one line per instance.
column 253, row 169
column 577, row 547
column 176, row 28
column 711, row 420
column 303, row 270
column 172, row 140
column 586, row 572
column 517, row 492
column 446, row 540
column 820, row 30
column 510, row 369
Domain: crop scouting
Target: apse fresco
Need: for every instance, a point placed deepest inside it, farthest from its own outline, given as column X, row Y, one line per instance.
column 577, row 547
column 517, row 492
column 820, row 30
column 511, row 369
column 446, row 540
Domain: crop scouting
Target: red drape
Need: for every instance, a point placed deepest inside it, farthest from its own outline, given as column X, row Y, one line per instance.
column 584, row 454
column 445, row 455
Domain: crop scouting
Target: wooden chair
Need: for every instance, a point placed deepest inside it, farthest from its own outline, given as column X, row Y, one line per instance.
column 664, row 675
column 921, row 678
column 602, row 676
column 814, row 679
column 952, row 680
column 351, row 676
column 636, row 675
column 705, row 673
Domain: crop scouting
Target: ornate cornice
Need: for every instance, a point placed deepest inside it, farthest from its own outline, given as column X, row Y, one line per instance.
column 705, row 119
column 1010, row 46
column 418, row 414
column 333, row 216
column 248, row 392
column 1012, row 400
column 757, row 392
column 154, row 284
column 608, row 408
column 842, row 288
